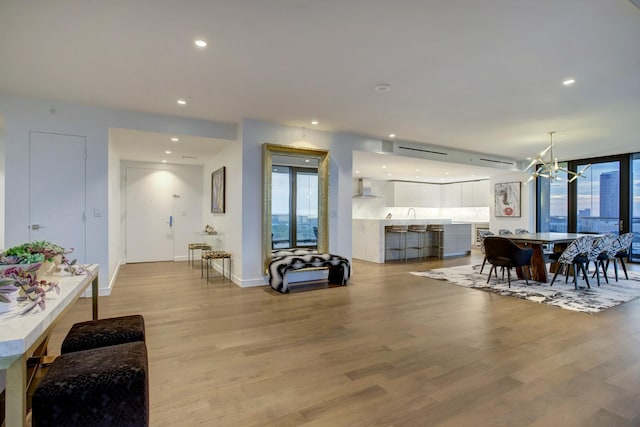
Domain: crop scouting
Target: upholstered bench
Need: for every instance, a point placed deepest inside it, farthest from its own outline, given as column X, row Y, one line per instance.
column 105, row 386
column 104, row 332
column 283, row 262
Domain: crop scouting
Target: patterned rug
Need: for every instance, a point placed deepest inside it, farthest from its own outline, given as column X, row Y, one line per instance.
column 560, row 294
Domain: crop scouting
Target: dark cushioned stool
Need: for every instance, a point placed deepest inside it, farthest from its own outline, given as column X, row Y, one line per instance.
column 107, row 386
column 103, row 332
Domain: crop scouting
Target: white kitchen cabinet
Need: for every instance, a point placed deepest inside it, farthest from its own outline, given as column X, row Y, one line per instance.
column 481, row 193
column 466, row 193
column 413, row 194
column 451, row 195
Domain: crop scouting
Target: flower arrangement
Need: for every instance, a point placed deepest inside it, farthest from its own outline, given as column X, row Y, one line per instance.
column 24, row 281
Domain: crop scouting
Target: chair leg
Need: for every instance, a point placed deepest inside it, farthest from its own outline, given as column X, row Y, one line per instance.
column 604, row 272
column 509, row 276
column 483, row 262
column 624, row 268
column 586, row 276
column 490, row 271
column 554, row 276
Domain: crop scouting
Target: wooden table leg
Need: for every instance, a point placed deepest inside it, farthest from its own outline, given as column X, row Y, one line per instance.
column 16, row 393
column 538, row 266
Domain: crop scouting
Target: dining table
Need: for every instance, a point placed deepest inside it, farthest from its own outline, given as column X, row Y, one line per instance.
column 21, row 334
column 537, row 241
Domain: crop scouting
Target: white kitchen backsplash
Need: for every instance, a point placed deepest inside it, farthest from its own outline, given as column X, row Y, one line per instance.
column 374, row 209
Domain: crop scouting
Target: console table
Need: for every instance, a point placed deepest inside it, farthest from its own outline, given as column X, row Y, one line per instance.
column 20, row 335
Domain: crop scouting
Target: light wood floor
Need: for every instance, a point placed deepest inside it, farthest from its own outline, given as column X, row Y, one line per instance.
column 390, row 349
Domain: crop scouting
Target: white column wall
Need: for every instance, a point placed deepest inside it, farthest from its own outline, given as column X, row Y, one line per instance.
column 256, row 133
column 22, row 115
column 527, row 220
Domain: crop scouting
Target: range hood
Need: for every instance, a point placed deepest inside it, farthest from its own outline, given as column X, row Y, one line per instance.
column 364, row 189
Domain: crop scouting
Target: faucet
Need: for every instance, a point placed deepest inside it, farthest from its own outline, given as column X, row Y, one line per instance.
column 414, row 212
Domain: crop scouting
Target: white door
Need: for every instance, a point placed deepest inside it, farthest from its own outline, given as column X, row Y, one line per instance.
column 57, row 198
column 149, row 215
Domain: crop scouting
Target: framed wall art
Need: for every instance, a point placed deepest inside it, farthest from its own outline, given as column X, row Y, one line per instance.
column 217, row 191
column 507, row 199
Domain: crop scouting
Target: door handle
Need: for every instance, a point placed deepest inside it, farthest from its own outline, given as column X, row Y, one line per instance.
column 170, row 221
column 37, row 226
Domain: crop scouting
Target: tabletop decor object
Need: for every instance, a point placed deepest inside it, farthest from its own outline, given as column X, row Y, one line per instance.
column 18, row 283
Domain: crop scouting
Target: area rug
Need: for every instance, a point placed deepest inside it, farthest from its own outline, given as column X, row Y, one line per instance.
column 560, row 294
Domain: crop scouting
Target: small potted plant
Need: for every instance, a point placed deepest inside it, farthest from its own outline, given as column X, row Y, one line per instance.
column 50, row 255
column 20, row 283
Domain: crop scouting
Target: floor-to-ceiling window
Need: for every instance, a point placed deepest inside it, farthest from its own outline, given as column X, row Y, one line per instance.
column 598, row 198
column 553, row 205
column 635, row 206
column 604, row 199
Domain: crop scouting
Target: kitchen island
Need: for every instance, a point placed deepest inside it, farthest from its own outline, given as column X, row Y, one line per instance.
column 444, row 238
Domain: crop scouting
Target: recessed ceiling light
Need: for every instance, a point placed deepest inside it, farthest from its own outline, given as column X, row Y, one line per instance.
column 307, row 160
column 167, row 152
column 314, row 122
column 392, row 135
column 182, row 102
column 382, row 88
column 164, row 161
column 568, row 82
column 201, row 43
column 384, row 166
column 357, row 171
column 174, row 139
column 389, row 174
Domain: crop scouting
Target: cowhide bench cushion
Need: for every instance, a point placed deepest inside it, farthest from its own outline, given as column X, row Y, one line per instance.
column 104, row 332
column 283, row 262
column 105, row 386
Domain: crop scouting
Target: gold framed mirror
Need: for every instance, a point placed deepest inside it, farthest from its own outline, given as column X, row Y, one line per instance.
column 302, row 160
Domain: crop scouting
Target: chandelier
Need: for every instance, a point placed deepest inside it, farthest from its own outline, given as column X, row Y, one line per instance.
column 549, row 168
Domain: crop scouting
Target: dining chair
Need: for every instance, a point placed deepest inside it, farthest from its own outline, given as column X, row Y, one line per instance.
column 482, row 235
column 503, row 252
column 620, row 251
column 504, row 232
column 575, row 255
column 600, row 252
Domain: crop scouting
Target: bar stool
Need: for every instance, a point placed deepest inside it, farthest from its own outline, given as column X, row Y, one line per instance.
column 400, row 230
column 421, row 232
column 195, row 247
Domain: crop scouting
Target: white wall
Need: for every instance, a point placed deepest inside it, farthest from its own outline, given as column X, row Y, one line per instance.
column 22, row 115
column 228, row 224
column 114, row 215
column 254, row 134
column 2, row 168
column 527, row 204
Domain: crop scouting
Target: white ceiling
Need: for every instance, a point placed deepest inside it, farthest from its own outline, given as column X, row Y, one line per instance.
column 470, row 75
column 152, row 147
column 387, row 167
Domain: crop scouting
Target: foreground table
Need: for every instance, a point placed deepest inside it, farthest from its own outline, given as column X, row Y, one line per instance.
column 536, row 241
column 20, row 335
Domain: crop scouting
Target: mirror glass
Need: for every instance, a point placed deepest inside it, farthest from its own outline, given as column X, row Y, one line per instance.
column 295, row 195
